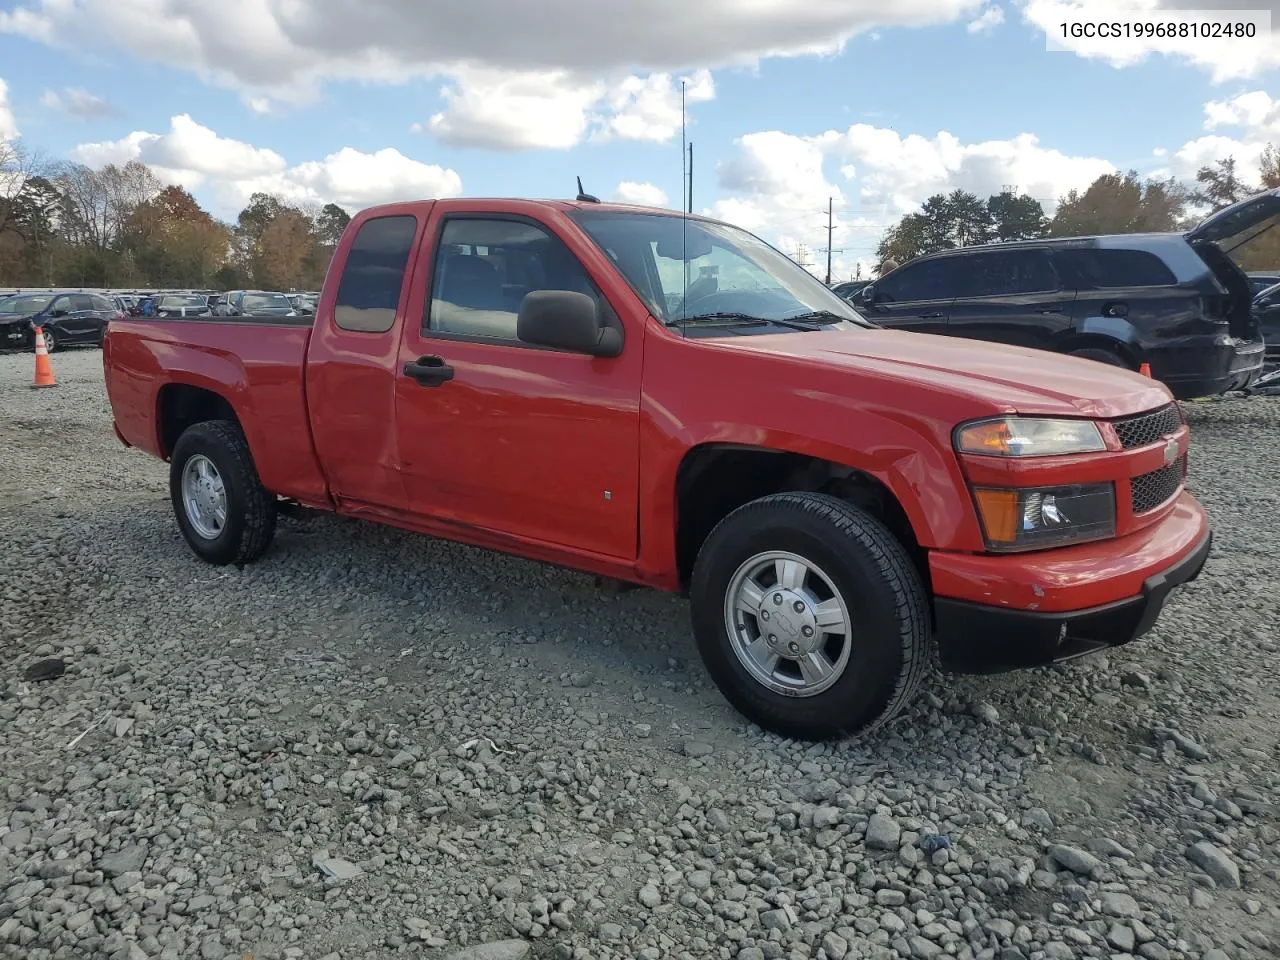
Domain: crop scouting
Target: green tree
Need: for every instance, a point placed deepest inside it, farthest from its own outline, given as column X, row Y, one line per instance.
column 1116, row 203
column 1017, row 217
column 330, row 224
column 1220, row 186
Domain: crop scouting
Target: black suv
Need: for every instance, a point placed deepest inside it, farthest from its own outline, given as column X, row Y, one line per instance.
column 1172, row 300
column 66, row 319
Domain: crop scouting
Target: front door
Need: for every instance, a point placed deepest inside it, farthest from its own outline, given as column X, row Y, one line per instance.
column 497, row 434
column 916, row 296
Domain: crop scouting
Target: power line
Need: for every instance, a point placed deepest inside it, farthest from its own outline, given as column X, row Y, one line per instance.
column 830, row 230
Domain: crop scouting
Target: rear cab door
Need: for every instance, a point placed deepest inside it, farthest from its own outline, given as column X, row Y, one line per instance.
column 518, row 440
column 1014, row 297
column 917, row 296
column 353, row 357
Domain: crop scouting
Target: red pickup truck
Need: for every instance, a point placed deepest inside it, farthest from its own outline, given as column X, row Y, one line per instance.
column 667, row 400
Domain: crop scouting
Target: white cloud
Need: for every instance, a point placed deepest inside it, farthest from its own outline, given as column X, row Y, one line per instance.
column 506, row 109
column 77, row 102
column 1223, row 58
column 1257, row 111
column 778, row 185
column 991, row 18
column 286, row 48
column 648, row 108
column 557, row 109
column 228, row 171
column 8, row 126
column 644, row 194
column 1255, row 117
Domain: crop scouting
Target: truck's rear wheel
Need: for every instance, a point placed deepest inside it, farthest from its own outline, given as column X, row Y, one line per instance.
column 224, row 512
column 810, row 616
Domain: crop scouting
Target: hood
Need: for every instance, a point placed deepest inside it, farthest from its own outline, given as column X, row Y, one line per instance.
column 1011, row 379
column 1237, row 218
column 17, row 317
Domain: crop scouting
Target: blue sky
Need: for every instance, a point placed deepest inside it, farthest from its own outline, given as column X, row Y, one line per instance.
column 362, row 102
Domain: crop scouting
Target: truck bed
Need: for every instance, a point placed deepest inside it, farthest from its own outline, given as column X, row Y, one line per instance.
column 157, row 367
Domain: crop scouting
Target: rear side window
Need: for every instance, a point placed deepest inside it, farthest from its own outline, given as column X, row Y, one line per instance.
column 1102, row 269
column 927, row 280
column 82, row 301
column 369, row 292
column 1007, row 273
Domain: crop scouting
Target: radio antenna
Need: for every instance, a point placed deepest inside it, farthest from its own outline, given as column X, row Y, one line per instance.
column 684, row 213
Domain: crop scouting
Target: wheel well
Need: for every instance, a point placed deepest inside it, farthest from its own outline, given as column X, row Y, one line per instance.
column 1096, row 341
column 715, row 480
column 181, row 405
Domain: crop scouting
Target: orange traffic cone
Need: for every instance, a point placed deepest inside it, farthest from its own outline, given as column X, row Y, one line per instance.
column 1145, row 369
column 44, row 369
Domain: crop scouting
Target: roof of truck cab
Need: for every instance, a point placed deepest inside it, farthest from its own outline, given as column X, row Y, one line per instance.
column 567, row 206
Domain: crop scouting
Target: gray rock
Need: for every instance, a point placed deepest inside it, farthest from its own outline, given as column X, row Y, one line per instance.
column 1216, row 862
column 883, row 833
column 696, row 748
column 1121, row 937
column 835, row 946
column 1117, row 904
column 986, row 712
column 126, row 860
column 649, row 896
column 825, row 817
column 496, row 950
column 1074, row 859
column 780, row 919
column 1105, row 847
column 507, row 888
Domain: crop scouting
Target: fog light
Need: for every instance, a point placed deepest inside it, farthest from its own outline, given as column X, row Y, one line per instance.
column 1038, row 518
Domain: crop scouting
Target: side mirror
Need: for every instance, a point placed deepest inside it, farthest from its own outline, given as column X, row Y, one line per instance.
column 58, row 313
column 866, row 296
column 567, row 321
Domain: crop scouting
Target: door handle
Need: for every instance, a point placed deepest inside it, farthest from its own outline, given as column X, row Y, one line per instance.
column 429, row 371
column 929, row 316
column 1050, row 311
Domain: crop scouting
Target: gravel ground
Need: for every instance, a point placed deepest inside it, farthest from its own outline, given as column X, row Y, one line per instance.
column 482, row 750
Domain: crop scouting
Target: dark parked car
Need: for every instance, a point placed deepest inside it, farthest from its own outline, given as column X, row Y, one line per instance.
column 304, row 304
column 260, row 303
column 66, row 318
column 1266, row 310
column 1175, row 301
column 848, row 288
column 1263, row 281
column 182, row 305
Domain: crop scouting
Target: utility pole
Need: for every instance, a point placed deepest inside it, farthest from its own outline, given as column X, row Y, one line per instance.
column 831, row 225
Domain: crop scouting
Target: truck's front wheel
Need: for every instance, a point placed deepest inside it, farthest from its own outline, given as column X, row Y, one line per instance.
column 224, row 512
column 810, row 616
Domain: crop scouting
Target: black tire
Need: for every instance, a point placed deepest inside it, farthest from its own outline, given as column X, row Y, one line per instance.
column 50, row 341
column 1102, row 355
column 889, row 637
column 251, row 508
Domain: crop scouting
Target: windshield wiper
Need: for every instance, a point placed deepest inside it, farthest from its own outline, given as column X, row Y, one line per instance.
column 742, row 319
column 819, row 316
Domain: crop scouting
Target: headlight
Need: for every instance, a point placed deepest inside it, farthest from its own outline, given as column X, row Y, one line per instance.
column 1026, row 437
column 1036, row 518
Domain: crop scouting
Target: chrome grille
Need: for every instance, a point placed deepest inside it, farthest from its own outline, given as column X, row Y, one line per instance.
column 1148, row 427
column 1156, row 488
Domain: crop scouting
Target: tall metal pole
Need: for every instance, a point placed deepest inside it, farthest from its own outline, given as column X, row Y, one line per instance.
column 691, row 176
column 830, row 228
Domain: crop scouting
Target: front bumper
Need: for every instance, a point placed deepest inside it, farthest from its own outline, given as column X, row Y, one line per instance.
column 1066, row 620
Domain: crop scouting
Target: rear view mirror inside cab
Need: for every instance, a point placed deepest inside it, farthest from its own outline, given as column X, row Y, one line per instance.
column 696, row 244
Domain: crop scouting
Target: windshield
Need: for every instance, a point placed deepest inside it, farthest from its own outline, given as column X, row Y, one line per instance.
column 23, row 305
column 690, row 269
column 176, row 302
column 266, row 301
